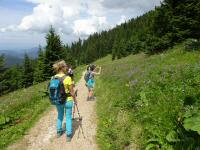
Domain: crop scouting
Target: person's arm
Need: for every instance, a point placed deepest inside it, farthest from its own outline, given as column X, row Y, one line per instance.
column 99, row 72
column 68, row 82
column 72, row 92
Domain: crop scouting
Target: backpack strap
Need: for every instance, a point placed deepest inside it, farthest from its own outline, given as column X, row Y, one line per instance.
column 90, row 75
column 63, row 78
column 48, row 84
column 60, row 78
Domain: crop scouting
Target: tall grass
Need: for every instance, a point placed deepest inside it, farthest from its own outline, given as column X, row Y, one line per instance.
column 19, row 110
column 141, row 101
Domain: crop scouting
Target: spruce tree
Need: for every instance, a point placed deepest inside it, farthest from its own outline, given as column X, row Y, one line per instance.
column 39, row 69
column 28, row 71
column 54, row 51
column 2, row 61
column 69, row 58
column 114, row 50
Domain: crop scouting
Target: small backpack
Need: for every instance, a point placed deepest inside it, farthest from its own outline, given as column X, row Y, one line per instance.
column 87, row 76
column 57, row 94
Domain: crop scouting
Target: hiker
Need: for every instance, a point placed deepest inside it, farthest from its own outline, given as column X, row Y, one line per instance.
column 71, row 74
column 61, row 70
column 89, row 77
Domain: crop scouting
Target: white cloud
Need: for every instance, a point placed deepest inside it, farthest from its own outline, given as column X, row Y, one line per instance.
column 85, row 27
column 130, row 4
column 77, row 17
column 10, row 27
column 96, row 8
column 64, row 15
column 43, row 16
column 46, row 13
column 122, row 19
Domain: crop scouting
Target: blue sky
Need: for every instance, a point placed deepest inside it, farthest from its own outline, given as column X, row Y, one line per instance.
column 16, row 4
column 24, row 23
column 12, row 11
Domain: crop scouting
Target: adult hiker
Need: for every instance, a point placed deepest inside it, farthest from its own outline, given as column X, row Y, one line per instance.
column 65, row 105
column 90, row 82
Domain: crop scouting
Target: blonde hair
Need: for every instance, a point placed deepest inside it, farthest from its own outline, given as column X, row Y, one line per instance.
column 57, row 66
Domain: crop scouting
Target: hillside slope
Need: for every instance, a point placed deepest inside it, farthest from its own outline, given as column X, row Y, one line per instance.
column 19, row 110
column 152, row 101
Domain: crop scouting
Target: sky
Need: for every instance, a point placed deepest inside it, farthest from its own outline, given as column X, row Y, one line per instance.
column 24, row 23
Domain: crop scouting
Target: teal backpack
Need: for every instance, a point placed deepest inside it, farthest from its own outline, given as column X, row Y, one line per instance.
column 57, row 94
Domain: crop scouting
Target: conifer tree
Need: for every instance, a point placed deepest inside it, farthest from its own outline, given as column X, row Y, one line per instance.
column 12, row 79
column 39, row 69
column 2, row 61
column 28, row 71
column 114, row 50
column 69, row 58
column 54, row 51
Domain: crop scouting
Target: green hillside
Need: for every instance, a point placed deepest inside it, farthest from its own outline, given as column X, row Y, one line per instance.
column 19, row 110
column 149, row 101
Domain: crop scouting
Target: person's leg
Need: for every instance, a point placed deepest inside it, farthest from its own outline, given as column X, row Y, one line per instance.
column 69, row 106
column 60, row 110
column 88, row 86
column 91, row 93
column 92, row 89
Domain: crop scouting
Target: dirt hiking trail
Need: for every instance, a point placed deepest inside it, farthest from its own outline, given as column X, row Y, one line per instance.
column 43, row 135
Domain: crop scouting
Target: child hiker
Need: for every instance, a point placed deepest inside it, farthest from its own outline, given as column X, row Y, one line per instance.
column 61, row 69
column 71, row 74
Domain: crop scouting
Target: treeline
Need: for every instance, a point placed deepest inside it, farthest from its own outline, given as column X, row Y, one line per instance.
column 34, row 71
column 171, row 23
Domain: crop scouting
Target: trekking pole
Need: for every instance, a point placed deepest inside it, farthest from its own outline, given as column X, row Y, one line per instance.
column 73, row 112
column 74, row 105
column 80, row 123
column 80, row 118
column 76, row 92
column 80, row 129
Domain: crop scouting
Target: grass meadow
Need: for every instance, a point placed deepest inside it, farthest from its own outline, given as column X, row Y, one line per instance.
column 149, row 102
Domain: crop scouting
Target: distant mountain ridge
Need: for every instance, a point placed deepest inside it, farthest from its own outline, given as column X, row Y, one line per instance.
column 13, row 57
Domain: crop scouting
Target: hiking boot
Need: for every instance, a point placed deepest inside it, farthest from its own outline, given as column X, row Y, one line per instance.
column 93, row 97
column 88, row 98
column 68, row 138
column 59, row 133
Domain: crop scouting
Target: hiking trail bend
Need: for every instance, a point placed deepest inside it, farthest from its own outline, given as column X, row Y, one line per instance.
column 43, row 135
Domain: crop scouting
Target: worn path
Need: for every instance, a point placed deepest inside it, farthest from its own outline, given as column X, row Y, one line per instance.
column 43, row 135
